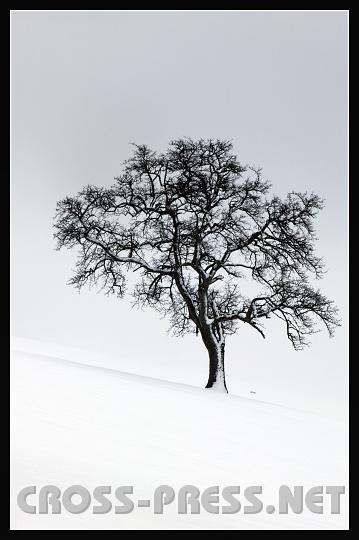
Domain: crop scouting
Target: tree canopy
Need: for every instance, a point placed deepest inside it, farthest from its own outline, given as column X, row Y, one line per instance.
column 197, row 225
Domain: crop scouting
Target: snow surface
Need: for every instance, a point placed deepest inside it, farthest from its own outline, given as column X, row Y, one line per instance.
column 74, row 423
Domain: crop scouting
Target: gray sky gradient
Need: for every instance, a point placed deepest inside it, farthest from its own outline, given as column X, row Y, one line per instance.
column 87, row 84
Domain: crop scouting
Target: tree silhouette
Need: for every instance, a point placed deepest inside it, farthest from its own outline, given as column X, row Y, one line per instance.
column 198, row 225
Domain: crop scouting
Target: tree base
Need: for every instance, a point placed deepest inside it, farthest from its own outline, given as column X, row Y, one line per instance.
column 218, row 386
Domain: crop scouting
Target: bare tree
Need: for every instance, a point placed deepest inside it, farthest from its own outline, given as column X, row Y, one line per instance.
column 197, row 225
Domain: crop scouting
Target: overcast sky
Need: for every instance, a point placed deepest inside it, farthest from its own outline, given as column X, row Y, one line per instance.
column 87, row 84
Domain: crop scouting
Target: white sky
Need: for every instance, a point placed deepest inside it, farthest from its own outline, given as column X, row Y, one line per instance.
column 86, row 84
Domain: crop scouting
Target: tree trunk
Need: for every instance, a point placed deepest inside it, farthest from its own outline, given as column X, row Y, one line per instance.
column 216, row 379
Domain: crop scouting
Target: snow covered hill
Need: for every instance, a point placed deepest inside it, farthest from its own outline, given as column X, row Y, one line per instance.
column 81, row 424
